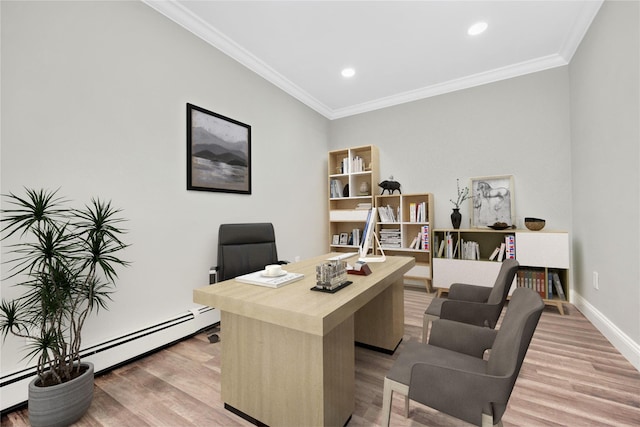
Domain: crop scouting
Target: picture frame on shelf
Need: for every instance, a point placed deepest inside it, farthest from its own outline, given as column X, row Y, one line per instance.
column 492, row 201
column 344, row 238
column 218, row 152
column 335, row 240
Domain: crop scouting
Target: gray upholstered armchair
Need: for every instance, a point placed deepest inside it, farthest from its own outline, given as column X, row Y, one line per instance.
column 449, row 373
column 472, row 304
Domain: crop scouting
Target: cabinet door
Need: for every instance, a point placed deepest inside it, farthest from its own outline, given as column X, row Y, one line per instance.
column 449, row 271
column 537, row 249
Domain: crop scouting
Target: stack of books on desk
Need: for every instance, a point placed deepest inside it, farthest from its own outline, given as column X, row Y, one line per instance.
column 259, row 278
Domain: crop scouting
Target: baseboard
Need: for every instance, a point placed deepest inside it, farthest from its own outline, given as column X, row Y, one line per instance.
column 621, row 341
column 117, row 351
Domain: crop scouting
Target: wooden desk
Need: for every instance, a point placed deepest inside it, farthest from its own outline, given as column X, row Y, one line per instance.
column 288, row 354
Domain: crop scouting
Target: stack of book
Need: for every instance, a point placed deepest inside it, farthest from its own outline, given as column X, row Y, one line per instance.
column 390, row 238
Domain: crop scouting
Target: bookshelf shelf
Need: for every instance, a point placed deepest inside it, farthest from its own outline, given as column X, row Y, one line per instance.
column 348, row 171
column 404, row 229
column 543, row 258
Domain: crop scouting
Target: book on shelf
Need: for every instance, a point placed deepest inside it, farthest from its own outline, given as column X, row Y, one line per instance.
column 494, row 254
column 258, row 278
column 386, row 214
column 558, row 286
column 471, row 250
column 426, row 244
column 501, row 252
column 417, row 212
column 336, row 188
column 357, row 164
column 441, row 249
column 413, row 243
column 363, row 206
column 510, row 246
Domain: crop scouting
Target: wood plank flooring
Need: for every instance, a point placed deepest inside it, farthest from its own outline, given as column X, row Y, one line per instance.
column 572, row 376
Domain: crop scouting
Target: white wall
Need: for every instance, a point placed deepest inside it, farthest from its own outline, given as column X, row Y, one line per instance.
column 94, row 102
column 516, row 127
column 605, row 112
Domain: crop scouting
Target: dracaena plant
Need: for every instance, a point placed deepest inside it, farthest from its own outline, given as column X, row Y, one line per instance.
column 65, row 260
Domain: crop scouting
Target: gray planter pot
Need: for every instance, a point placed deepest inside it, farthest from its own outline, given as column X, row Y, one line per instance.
column 62, row 404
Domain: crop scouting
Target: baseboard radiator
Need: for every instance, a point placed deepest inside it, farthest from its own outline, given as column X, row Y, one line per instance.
column 116, row 352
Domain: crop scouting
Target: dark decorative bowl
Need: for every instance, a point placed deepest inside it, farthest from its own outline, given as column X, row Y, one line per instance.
column 499, row 226
column 534, row 224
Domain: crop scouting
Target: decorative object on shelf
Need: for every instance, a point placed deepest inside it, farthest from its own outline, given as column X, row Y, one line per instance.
column 456, row 218
column 67, row 263
column 345, row 191
column 463, row 194
column 390, row 185
column 534, row 224
column 492, row 201
column 500, row 226
column 364, row 188
column 218, row 152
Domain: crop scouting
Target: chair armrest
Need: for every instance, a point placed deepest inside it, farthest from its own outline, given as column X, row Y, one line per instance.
column 473, row 313
column 462, row 338
column 466, row 292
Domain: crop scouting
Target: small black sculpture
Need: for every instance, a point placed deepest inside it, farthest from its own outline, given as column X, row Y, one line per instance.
column 390, row 186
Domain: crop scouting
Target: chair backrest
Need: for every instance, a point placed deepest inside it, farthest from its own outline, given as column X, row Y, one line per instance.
column 508, row 271
column 245, row 248
column 512, row 341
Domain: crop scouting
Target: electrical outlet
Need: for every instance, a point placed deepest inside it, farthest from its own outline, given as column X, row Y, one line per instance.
column 596, row 281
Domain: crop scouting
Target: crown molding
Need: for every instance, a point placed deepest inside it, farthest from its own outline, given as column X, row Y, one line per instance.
column 527, row 67
column 192, row 23
column 579, row 29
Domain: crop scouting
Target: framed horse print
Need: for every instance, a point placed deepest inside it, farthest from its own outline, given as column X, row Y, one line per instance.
column 492, row 202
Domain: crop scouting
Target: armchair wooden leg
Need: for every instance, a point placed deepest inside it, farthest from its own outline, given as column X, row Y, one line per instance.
column 389, row 387
column 487, row 421
column 426, row 323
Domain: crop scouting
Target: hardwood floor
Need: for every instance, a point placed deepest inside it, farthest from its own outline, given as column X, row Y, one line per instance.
column 571, row 376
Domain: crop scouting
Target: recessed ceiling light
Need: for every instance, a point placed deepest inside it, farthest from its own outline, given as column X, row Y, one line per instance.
column 348, row 72
column 477, row 28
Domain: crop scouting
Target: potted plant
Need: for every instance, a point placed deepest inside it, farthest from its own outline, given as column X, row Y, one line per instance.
column 65, row 259
column 463, row 194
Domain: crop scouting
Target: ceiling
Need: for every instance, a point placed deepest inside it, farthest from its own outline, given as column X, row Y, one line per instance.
column 401, row 50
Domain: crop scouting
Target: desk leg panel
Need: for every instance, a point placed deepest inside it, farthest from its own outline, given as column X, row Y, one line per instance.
column 284, row 377
column 380, row 323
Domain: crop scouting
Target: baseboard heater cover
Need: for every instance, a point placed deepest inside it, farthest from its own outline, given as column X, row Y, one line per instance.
column 116, row 352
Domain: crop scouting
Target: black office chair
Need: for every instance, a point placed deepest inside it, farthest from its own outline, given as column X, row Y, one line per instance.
column 242, row 249
column 451, row 374
column 473, row 304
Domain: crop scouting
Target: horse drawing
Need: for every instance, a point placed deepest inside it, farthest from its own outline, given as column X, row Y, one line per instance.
column 496, row 198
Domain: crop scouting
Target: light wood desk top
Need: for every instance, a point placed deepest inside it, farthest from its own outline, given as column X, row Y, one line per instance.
column 295, row 306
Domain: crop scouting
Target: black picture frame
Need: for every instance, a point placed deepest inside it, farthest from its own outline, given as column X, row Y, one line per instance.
column 218, row 152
